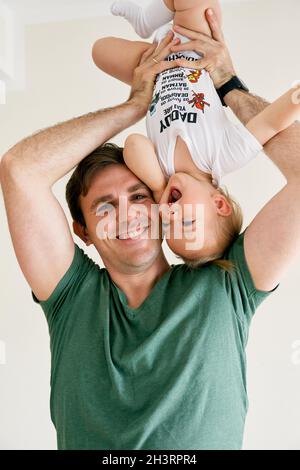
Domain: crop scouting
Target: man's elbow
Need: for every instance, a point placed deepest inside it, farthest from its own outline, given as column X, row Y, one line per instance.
column 7, row 162
column 11, row 167
column 5, row 170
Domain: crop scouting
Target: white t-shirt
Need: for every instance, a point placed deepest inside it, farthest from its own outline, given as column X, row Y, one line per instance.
column 186, row 104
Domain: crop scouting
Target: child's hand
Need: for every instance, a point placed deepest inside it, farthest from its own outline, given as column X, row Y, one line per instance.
column 151, row 64
column 216, row 58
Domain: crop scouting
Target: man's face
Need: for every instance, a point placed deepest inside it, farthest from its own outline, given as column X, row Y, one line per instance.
column 119, row 220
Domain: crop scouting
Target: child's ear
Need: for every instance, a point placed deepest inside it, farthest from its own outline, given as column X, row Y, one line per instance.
column 222, row 206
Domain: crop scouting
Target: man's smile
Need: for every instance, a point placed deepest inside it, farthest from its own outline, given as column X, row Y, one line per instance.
column 133, row 234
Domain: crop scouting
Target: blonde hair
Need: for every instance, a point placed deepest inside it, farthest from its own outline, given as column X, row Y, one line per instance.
column 228, row 230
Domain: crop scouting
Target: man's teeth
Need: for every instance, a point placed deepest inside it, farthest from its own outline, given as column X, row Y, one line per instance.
column 133, row 234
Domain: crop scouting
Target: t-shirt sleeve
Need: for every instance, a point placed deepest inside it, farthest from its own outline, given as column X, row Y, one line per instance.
column 66, row 289
column 244, row 293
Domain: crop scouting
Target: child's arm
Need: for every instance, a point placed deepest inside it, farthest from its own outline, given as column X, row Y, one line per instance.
column 141, row 159
column 276, row 117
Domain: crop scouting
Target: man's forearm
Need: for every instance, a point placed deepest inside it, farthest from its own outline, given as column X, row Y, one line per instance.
column 52, row 153
column 284, row 148
column 245, row 105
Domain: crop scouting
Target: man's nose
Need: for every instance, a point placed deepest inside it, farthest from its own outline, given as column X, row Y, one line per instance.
column 132, row 214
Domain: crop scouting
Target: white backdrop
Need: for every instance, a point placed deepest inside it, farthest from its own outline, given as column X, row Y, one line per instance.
column 61, row 82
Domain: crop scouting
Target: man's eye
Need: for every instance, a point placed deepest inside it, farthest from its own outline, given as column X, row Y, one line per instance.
column 140, row 195
column 103, row 209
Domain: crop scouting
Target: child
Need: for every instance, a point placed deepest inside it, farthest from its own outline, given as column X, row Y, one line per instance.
column 191, row 143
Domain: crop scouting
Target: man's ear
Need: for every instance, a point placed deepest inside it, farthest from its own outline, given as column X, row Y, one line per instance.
column 81, row 232
column 222, row 206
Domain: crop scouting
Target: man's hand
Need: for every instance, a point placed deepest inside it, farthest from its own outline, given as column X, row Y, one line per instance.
column 216, row 58
column 152, row 63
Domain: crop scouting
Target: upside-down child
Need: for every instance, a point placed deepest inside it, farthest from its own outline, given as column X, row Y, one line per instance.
column 191, row 142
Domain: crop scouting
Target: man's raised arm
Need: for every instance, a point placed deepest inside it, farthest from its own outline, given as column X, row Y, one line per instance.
column 38, row 226
column 272, row 240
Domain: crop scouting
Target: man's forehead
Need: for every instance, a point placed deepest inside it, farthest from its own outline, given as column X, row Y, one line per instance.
column 108, row 186
column 115, row 178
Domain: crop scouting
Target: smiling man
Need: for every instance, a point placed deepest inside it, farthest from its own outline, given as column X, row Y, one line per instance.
column 129, row 240
column 143, row 355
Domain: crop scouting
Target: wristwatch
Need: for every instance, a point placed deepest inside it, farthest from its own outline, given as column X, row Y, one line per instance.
column 235, row 83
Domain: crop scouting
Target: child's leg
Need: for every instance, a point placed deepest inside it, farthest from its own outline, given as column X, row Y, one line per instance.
column 145, row 20
column 191, row 14
column 118, row 57
column 140, row 157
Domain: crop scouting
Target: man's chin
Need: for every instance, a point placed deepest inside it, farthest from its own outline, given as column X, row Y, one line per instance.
column 134, row 254
column 141, row 255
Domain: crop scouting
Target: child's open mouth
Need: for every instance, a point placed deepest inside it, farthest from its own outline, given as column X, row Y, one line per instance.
column 174, row 195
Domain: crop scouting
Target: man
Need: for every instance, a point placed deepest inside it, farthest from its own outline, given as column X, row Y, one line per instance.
column 144, row 355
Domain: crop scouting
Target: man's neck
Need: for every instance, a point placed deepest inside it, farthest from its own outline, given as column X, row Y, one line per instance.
column 137, row 284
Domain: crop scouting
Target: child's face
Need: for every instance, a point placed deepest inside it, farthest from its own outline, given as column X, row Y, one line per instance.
column 189, row 210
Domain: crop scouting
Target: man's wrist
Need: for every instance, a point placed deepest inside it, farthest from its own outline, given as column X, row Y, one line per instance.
column 222, row 78
column 234, row 83
column 138, row 107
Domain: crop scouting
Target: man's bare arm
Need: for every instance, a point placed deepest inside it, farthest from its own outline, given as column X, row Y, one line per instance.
column 284, row 148
column 50, row 154
column 272, row 240
column 39, row 229
column 40, row 233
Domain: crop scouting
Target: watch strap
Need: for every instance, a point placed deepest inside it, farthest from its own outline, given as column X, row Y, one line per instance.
column 233, row 84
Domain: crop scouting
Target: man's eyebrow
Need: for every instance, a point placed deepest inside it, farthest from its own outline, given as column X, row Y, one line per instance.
column 110, row 197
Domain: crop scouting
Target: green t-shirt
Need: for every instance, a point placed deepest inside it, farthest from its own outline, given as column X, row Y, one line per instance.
column 170, row 374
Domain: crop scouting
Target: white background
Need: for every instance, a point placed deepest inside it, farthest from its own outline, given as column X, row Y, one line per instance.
column 54, row 79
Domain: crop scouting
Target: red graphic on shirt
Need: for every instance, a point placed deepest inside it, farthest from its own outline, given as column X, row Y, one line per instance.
column 198, row 101
column 194, row 76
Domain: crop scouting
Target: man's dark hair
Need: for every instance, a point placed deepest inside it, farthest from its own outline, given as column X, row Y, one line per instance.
column 81, row 179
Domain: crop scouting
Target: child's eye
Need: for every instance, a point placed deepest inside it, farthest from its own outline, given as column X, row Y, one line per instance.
column 187, row 223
